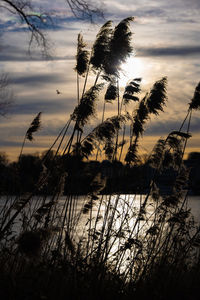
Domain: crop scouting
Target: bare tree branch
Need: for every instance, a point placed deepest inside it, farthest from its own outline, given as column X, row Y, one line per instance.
column 37, row 22
column 84, row 10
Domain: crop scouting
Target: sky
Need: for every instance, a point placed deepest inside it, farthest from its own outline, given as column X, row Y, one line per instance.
column 166, row 43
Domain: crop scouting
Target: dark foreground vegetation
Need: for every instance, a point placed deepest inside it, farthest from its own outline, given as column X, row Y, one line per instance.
column 108, row 245
column 21, row 176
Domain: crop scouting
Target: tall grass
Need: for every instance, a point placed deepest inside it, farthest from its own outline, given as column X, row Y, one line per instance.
column 123, row 246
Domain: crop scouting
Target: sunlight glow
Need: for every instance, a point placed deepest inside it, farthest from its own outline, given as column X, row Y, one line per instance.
column 133, row 68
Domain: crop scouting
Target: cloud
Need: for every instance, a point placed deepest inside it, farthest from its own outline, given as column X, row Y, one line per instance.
column 149, row 12
column 163, row 128
column 192, row 3
column 49, row 128
column 34, row 107
column 170, row 51
column 167, row 36
column 5, row 143
column 50, row 107
column 38, row 79
column 154, row 11
column 52, row 21
column 16, row 54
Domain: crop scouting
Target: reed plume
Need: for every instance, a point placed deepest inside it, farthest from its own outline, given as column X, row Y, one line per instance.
column 109, row 149
column 82, row 56
column 168, row 152
column 131, row 155
column 132, row 88
column 157, row 97
column 195, row 102
column 119, row 48
column 34, row 127
column 157, row 153
column 141, row 115
column 137, row 128
column 101, row 46
column 103, row 133
column 111, row 92
column 86, row 108
column 152, row 103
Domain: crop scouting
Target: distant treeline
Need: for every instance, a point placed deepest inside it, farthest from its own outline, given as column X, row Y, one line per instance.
column 23, row 175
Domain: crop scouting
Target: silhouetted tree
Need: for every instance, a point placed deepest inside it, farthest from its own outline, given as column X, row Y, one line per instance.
column 8, row 174
column 194, row 156
column 29, row 169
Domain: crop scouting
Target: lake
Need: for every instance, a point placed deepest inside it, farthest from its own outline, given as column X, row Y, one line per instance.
column 115, row 222
column 79, row 214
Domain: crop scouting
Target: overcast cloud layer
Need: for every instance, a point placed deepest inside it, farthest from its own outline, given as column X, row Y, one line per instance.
column 166, row 42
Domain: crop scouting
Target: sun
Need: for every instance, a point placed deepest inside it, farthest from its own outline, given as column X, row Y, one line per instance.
column 133, row 68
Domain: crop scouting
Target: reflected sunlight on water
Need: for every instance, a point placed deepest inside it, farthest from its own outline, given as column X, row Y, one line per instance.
column 118, row 228
column 126, row 206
